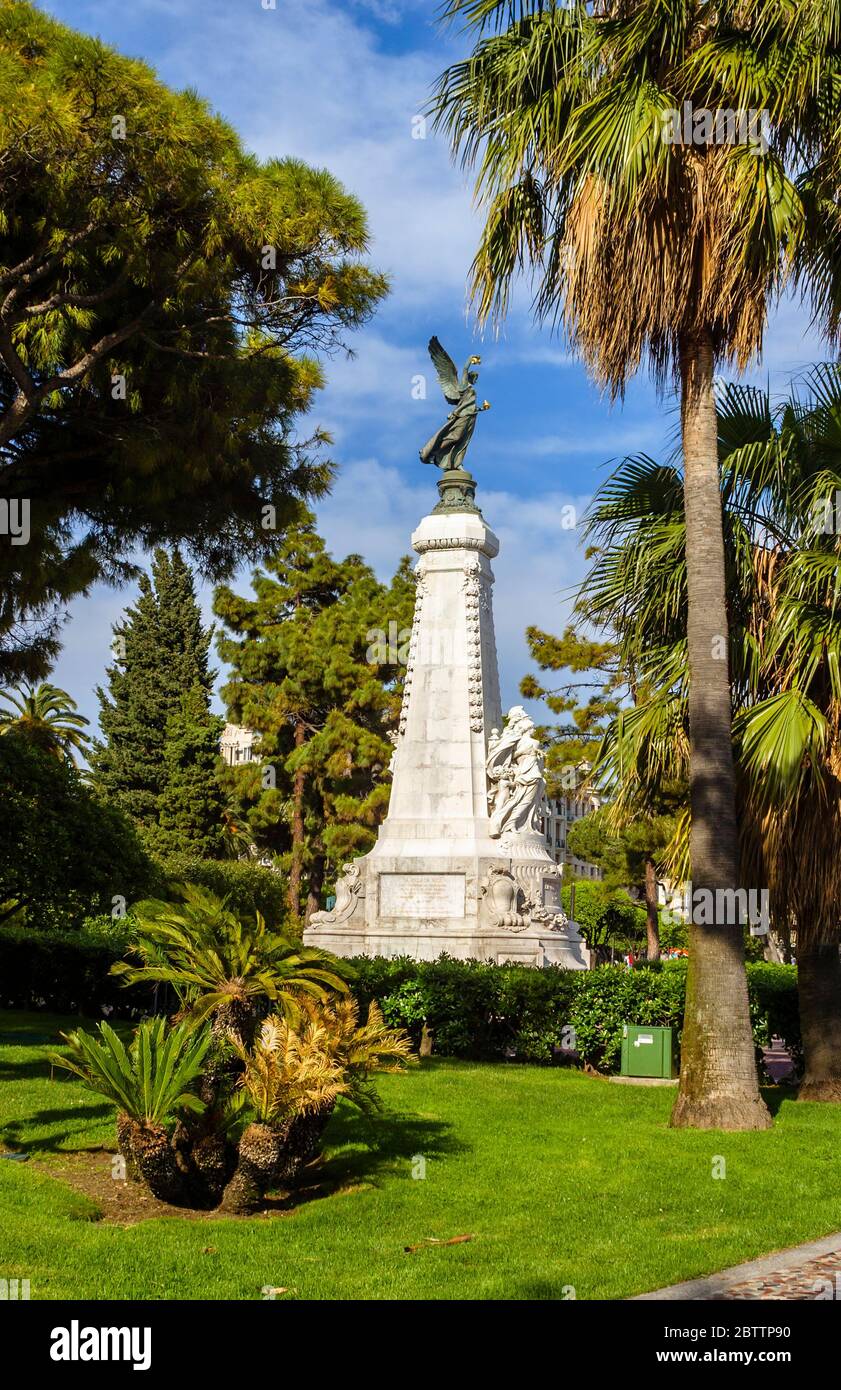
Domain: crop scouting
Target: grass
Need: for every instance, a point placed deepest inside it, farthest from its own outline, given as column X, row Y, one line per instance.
column 564, row 1181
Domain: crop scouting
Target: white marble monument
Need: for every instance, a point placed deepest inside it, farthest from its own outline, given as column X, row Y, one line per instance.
column 459, row 865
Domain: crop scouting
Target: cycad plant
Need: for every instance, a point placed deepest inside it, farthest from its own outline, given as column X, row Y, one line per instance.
column 222, row 1102
column 781, row 485
column 151, row 1081
column 285, row 1075
column 47, row 717
column 292, row 1078
column 222, row 967
column 651, row 242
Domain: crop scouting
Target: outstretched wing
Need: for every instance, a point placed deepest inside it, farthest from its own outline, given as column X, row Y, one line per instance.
column 446, row 369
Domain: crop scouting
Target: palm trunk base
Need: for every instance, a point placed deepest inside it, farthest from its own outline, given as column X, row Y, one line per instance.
column 819, row 990
column 720, row 1112
column 158, row 1163
column 820, row 1088
column 719, row 1082
column 261, row 1152
column 125, row 1143
column 303, row 1143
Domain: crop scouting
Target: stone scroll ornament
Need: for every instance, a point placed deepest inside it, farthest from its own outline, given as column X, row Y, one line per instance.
column 516, row 787
column 350, row 891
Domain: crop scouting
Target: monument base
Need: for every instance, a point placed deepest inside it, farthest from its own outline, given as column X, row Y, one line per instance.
column 498, row 907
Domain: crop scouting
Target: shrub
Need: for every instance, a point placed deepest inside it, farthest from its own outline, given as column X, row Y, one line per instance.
column 478, row 1010
column 67, row 972
column 474, row 1009
column 610, row 997
column 249, row 887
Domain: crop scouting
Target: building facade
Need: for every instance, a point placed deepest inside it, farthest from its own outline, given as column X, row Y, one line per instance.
column 559, row 813
column 238, row 745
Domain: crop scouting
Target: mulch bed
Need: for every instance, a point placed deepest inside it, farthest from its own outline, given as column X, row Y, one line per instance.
column 124, row 1203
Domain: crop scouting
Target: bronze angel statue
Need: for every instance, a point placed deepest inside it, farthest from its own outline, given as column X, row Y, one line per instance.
column 447, row 447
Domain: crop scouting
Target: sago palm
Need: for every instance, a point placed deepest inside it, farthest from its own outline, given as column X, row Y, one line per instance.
column 152, row 1082
column 221, row 966
column 649, row 249
column 286, row 1074
column 152, row 1079
column 289, row 1072
column 292, row 1078
column 47, row 717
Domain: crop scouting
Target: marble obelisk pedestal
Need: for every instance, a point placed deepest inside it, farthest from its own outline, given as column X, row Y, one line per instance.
column 437, row 880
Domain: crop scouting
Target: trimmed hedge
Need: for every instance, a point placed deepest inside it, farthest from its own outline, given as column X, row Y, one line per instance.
column 67, row 972
column 249, row 887
column 473, row 1009
column 485, row 1011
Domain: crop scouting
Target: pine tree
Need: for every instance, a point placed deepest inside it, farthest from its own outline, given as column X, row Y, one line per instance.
column 592, row 667
column 166, row 299
column 316, row 659
column 160, row 656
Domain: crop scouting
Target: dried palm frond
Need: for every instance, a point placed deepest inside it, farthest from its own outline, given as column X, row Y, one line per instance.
column 287, row 1073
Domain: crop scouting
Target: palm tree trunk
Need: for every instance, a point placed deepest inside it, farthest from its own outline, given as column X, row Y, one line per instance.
column 652, row 921
column 261, row 1151
column 294, row 886
column 718, row 1079
column 819, row 990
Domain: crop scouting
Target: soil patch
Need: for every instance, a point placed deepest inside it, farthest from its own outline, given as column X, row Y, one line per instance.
column 123, row 1203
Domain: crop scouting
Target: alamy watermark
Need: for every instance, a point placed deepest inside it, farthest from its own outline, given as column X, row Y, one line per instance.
column 722, row 907
column 14, row 519
column 700, row 126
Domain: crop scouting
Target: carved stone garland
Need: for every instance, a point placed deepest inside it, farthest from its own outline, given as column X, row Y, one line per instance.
column 420, row 590
column 472, row 602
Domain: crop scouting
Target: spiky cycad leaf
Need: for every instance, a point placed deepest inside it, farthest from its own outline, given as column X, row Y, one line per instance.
column 152, row 1079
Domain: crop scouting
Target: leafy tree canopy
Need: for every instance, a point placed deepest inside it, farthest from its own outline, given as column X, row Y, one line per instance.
column 159, row 757
column 589, row 696
column 63, row 852
column 316, row 659
column 164, row 296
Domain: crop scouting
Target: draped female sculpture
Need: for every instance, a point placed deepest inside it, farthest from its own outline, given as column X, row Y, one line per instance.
column 514, row 765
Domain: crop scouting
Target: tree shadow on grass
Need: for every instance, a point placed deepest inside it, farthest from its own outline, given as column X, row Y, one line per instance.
column 365, row 1147
column 18, row 1134
column 775, row 1096
column 33, row 1069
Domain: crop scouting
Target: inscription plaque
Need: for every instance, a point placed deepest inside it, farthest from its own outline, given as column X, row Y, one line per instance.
column 551, row 892
column 421, row 895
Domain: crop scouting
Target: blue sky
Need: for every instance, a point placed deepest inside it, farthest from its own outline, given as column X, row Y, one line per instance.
column 338, row 84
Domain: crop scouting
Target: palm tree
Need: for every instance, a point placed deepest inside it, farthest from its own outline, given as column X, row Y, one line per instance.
column 292, row 1078
column 46, row 716
column 649, row 249
column 781, row 484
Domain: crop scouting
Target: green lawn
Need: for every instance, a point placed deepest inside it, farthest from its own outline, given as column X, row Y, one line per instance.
column 563, row 1180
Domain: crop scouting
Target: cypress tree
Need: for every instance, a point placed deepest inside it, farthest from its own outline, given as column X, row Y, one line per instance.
column 191, row 804
column 160, row 657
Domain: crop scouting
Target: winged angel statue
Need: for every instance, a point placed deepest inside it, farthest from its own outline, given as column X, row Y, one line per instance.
column 447, row 447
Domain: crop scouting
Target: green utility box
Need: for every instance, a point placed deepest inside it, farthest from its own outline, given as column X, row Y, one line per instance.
column 647, row 1051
